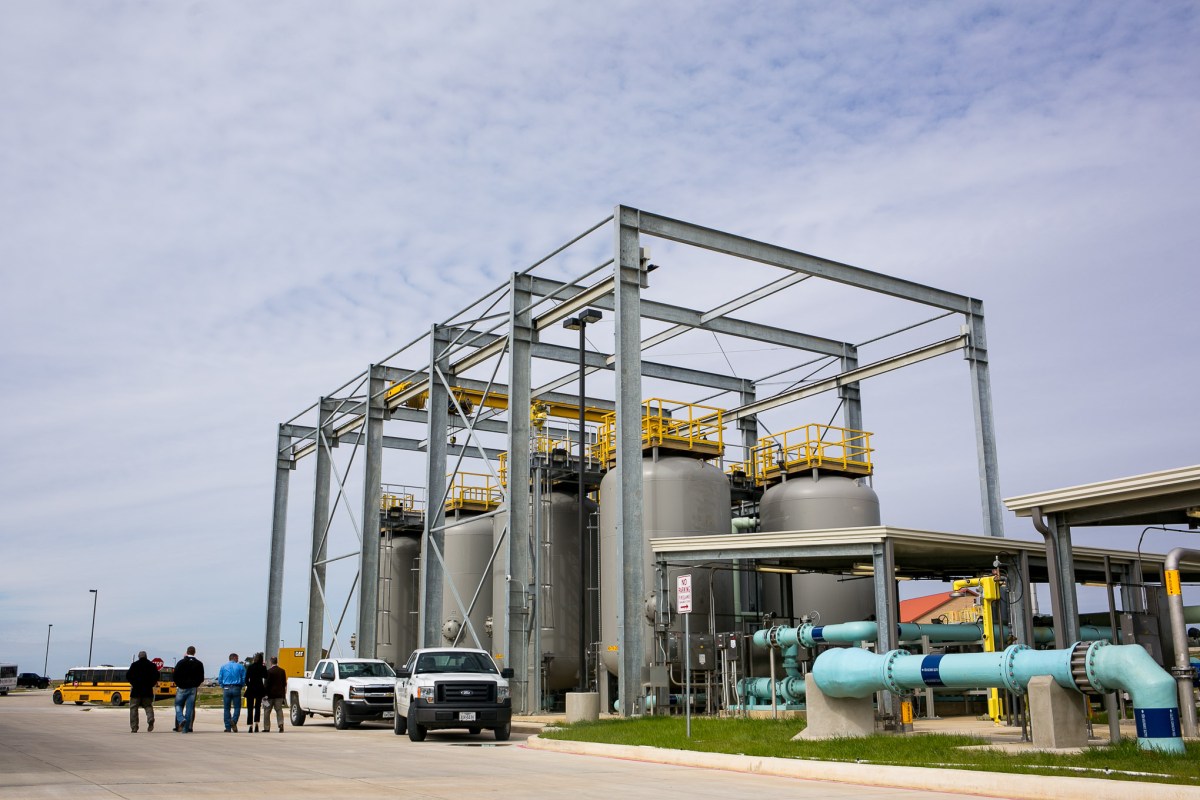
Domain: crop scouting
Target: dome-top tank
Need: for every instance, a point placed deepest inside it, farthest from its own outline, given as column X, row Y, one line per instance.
column 399, row 561
column 467, row 549
column 559, row 592
column 681, row 497
column 804, row 503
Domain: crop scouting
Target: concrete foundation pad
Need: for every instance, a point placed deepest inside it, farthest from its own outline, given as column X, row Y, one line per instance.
column 583, row 706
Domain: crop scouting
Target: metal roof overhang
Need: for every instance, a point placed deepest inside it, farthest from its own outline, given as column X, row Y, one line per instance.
column 1167, row 497
column 918, row 553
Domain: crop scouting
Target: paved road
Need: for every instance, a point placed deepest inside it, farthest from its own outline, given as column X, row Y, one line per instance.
column 87, row 752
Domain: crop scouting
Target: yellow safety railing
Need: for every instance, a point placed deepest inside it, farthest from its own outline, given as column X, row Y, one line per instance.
column 669, row 425
column 473, row 491
column 543, row 445
column 812, row 446
column 404, row 502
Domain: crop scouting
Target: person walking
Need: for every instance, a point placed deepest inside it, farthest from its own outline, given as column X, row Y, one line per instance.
column 256, row 690
column 232, row 677
column 189, row 674
column 276, row 692
column 143, row 677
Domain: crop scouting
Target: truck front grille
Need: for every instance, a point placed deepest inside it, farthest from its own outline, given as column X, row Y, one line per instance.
column 465, row 692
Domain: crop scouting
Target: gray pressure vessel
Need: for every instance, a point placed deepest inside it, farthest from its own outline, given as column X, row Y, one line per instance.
column 399, row 585
column 681, row 497
column 466, row 551
column 560, row 592
column 804, row 503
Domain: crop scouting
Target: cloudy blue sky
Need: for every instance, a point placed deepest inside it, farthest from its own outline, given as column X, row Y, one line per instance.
column 213, row 213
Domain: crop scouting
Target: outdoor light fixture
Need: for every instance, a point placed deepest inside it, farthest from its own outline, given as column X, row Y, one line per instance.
column 579, row 323
column 777, row 570
column 92, row 638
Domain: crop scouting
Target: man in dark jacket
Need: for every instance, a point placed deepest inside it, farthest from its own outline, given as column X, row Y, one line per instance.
column 142, row 677
column 189, row 674
column 276, row 691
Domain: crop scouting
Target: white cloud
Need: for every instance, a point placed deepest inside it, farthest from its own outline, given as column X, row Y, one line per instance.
column 213, row 215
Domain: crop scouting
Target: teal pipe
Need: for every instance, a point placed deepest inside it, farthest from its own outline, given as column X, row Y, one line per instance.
column 788, row 691
column 854, row 672
column 809, row 635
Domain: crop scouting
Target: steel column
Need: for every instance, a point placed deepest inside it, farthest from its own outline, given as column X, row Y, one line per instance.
column 521, row 583
column 985, row 426
column 320, row 535
column 368, row 592
column 630, row 535
column 849, row 393
column 1066, row 579
column 433, row 537
column 283, row 467
column 887, row 604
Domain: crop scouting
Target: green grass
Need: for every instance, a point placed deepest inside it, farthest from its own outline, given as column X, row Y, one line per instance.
column 756, row 737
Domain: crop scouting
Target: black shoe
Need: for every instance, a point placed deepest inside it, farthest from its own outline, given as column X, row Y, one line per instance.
column 177, row 727
column 150, row 727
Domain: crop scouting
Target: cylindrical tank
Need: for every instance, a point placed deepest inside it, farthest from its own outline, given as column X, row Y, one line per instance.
column 804, row 503
column 399, row 567
column 560, row 592
column 681, row 497
column 466, row 551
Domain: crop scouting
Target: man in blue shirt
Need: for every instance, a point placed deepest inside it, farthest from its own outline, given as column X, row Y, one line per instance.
column 232, row 677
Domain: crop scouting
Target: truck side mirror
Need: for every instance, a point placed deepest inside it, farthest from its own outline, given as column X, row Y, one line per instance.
column 507, row 673
column 403, row 673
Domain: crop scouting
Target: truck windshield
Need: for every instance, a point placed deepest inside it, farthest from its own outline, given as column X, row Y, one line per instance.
column 455, row 662
column 374, row 669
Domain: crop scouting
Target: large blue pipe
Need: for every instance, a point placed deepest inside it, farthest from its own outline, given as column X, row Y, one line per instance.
column 809, row 635
column 1101, row 667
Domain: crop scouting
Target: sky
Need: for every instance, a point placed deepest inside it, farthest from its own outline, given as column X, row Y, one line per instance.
column 215, row 213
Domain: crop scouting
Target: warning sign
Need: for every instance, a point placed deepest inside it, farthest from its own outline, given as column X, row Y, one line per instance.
column 683, row 594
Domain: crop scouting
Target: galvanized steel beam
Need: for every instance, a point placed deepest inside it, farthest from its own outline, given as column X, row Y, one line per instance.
column 368, row 597
column 432, row 571
column 520, row 589
column 320, row 536
column 742, row 247
column 629, row 498
column 985, row 426
column 283, row 467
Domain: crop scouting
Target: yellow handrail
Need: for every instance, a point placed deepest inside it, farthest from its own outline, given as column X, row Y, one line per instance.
column 473, row 490
column 669, row 424
column 809, row 446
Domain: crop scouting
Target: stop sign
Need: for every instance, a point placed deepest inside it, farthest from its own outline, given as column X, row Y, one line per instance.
column 158, row 662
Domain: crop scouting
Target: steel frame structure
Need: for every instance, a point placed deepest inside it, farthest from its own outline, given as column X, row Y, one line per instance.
column 503, row 326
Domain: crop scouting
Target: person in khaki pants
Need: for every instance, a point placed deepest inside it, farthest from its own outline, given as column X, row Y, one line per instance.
column 276, row 692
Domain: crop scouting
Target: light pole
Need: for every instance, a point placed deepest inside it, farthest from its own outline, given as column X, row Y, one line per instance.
column 46, row 663
column 92, row 638
column 580, row 323
column 302, row 634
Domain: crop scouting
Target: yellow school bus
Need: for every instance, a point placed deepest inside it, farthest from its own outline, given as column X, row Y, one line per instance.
column 107, row 684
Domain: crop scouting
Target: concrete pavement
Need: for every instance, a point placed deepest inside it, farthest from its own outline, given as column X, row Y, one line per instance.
column 87, row 752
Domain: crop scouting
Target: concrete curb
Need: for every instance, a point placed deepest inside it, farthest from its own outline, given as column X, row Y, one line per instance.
column 960, row 782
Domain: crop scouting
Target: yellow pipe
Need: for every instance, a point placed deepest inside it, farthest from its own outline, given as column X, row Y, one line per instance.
column 991, row 595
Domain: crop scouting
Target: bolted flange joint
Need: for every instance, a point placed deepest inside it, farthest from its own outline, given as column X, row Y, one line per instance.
column 889, row 669
column 1008, row 670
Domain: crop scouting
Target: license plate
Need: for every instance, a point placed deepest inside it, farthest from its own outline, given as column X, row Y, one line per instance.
column 466, row 716
column 389, row 714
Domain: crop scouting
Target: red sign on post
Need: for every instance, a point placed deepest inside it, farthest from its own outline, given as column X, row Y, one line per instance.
column 158, row 662
column 683, row 594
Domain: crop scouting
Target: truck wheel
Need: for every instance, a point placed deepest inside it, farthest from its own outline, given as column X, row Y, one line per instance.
column 503, row 732
column 399, row 725
column 416, row 732
column 78, row 702
column 296, row 712
column 339, row 714
column 474, row 731
column 115, row 699
column 57, row 697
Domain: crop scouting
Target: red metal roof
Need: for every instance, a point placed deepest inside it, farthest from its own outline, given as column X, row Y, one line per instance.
column 917, row 607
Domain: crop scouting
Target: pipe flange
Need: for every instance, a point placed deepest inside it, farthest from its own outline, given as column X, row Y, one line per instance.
column 804, row 634
column 888, row 673
column 1008, row 668
column 1089, row 661
column 773, row 635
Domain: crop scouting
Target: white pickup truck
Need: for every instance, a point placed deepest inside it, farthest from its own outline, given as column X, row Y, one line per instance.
column 452, row 687
column 350, row 690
